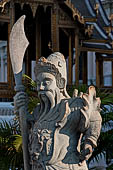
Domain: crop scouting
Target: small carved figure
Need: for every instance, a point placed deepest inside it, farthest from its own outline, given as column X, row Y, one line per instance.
column 59, row 122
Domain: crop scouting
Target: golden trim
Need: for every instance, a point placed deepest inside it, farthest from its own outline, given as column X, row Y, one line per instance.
column 3, row 3
column 96, row 41
column 108, row 29
column 96, row 8
column 111, row 17
column 90, row 19
column 89, row 30
column 75, row 12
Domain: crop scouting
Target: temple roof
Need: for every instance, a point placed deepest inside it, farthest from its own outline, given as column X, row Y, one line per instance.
column 84, row 7
column 98, row 31
column 94, row 9
column 97, row 45
column 91, row 13
column 102, row 16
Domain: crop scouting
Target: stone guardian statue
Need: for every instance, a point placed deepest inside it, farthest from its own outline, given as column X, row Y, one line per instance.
column 59, row 123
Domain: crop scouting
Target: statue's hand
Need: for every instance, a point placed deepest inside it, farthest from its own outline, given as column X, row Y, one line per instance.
column 86, row 152
column 20, row 100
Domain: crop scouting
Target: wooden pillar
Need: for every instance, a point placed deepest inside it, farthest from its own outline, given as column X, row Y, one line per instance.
column 10, row 25
column 2, row 66
column 9, row 75
column 54, row 28
column 70, row 62
column 99, row 71
column 112, row 74
column 77, row 58
column 38, row 41
column 84, row 67
column 12, row 14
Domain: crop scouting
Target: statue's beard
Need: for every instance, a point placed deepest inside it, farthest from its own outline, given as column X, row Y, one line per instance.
column 47, row 102
column 47, row 99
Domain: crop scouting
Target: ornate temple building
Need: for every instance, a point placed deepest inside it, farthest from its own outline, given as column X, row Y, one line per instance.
column 80, row 30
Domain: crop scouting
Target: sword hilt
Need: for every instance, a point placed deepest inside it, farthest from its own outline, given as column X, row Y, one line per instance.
column 18, row 81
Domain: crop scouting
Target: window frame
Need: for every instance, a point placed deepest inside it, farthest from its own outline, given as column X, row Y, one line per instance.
column 7, row 88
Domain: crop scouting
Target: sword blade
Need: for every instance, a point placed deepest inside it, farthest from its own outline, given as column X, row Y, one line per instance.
column 17, row 45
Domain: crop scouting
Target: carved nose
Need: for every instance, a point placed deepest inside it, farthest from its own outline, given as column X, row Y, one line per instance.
column 41, row 87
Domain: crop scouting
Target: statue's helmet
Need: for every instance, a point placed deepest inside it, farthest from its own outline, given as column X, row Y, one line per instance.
column 55, row 64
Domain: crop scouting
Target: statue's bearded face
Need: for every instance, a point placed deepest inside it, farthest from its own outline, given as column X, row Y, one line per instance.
column 46, row 85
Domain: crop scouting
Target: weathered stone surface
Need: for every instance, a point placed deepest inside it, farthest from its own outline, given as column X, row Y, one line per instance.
column 59, row 122
column 18, row 44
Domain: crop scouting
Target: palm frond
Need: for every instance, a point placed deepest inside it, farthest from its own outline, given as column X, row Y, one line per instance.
column 11, row 155
column 17, row 143
column 29, row 81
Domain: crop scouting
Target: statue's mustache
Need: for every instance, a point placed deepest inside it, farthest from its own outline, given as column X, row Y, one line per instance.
column 44, row 92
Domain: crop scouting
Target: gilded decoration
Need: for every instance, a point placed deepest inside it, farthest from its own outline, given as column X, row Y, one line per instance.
column 2, row 5
column 89, row 30
column 96, row 8
column 76, row 13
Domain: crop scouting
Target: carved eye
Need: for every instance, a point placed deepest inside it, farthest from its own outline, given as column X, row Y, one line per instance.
column 59, row 64
column 47, row 82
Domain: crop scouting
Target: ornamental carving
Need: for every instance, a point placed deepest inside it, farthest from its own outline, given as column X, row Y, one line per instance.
column 75, row 12
column 89, row 30
column 3, row 5
column 96, row 8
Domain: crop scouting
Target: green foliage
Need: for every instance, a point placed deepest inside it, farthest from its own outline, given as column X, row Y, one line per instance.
column 110, row 167
column 30, row 87
column 11, row 155
column 17, row 143
column 106, row 136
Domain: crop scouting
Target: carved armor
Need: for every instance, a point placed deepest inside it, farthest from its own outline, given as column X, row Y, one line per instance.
column 54, row 140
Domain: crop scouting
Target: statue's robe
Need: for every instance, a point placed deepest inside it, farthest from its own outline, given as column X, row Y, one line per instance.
column 54, row 138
